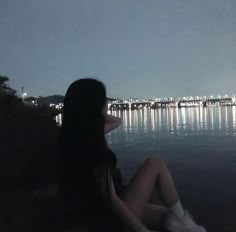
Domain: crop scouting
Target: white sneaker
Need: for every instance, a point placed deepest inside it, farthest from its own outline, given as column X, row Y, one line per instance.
column 182, row 224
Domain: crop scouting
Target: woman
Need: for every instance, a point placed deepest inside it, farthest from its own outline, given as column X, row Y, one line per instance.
column 88, row 163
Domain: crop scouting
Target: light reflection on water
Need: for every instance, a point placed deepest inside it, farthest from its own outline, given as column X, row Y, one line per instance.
column 179, row 135
column 195, row 120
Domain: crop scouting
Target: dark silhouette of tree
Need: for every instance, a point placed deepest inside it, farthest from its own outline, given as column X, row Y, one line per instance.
column 7, row 94
column 4, row 88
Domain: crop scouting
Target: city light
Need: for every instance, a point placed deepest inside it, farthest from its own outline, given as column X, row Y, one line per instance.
column 24, row 94
column 152, row 103
column 186, row 101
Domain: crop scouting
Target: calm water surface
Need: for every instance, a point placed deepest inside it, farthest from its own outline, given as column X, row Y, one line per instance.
column 199, row 146
column 202, row 138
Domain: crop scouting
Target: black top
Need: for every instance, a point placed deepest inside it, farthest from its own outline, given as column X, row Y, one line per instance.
column 82, row 198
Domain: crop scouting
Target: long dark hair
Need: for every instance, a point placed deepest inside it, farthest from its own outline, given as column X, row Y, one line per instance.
column 84, row 148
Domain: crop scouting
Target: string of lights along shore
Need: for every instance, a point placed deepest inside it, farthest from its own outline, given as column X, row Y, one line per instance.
column 154, row 103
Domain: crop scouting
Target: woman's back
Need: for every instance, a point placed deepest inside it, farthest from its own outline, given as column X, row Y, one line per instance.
column 83, row 151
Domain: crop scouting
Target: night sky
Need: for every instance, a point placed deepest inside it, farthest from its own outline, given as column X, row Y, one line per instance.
column 138, row 48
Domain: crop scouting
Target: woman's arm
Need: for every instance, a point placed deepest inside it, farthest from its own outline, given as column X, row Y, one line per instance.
column 132, row 222
column 111, row 122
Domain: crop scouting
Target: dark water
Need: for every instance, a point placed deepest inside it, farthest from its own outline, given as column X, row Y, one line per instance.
column 199, row 146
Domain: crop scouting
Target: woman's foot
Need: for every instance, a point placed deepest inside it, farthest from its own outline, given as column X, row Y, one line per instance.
column 184, row 223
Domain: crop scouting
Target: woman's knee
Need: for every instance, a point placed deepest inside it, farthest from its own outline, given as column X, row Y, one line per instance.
column 155, row 161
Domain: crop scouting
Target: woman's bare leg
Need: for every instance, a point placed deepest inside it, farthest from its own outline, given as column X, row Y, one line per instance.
column 153, row 173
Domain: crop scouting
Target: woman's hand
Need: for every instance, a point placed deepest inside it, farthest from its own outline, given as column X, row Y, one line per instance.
column 111, row 122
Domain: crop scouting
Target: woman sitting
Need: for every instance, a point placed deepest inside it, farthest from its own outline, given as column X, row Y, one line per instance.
column 87, row 166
